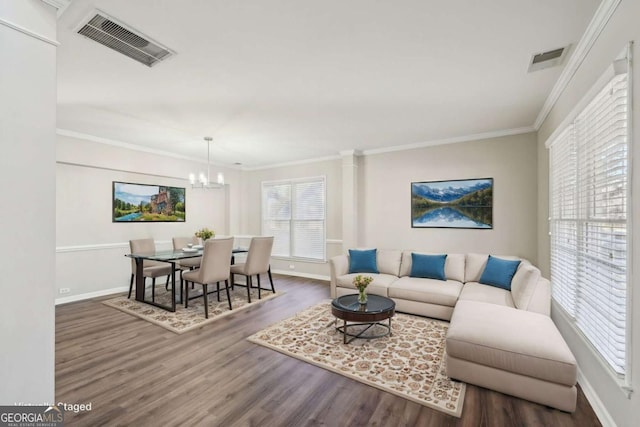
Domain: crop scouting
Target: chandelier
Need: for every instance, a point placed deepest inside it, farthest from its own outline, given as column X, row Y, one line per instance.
column 204, row 181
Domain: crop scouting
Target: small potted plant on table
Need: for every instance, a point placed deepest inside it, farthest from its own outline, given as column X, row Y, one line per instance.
column 361, row 282
column 204, row 234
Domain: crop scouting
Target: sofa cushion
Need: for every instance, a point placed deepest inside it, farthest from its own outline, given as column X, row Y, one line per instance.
column 474, row 291
column 512, row 340
column 453, row 266
column 499, row 272
column 475, row 263
column 379, row 286
column 363, row 261
column 428, row 266
column 524, row 285
column 426, row 290
column 389, row 261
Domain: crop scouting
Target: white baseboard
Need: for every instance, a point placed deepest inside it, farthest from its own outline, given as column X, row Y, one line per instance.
column 305, row 275
column 81, row 297
column 595, row 402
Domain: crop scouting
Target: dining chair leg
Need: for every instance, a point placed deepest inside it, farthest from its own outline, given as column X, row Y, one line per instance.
column 226, row 287
column 232, row 281
column 186, row 294
column 249, row 288
column 259, row 286
column 206, row 301
column 271, row 280
column 218, row 290
column 131, row 286
column 181, row 283
column 153, row 289
column 166, row 285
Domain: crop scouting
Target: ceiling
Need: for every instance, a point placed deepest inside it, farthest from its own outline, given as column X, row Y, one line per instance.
column 276, row 81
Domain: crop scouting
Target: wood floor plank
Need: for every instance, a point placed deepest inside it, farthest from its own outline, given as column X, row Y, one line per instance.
column 135, row 373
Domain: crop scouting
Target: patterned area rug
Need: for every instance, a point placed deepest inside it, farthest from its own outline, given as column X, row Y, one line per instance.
column 410, row 363
column 186, row 319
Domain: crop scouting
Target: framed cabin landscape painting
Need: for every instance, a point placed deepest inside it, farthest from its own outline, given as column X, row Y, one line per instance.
column 463, row 203
column 147, row 203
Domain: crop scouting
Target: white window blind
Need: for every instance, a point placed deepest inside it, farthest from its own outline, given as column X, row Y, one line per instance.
column 294, row 213
column 589, row 175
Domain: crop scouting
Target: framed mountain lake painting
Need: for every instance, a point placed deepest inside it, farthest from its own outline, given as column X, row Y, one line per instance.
column 462, row 203
column 147, row 203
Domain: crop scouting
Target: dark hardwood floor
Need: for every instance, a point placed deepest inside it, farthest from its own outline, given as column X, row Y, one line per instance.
column 137, row 374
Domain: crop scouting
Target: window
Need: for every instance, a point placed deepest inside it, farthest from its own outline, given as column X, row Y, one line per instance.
column 589, row 180
column 293, row 212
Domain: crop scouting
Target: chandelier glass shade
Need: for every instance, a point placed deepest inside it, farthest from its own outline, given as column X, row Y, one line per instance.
column 204, row 181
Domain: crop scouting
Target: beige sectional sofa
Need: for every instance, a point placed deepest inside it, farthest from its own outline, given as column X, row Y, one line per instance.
column 499, row 339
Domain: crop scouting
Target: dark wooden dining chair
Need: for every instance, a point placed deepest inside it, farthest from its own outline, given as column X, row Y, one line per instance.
column 214, row 268
column 257, row 263
column 150, row 268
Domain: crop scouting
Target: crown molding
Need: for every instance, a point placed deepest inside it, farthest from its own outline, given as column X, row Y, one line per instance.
column 348, row 153
column 61, row 5
column 453, row 140
column 292, row 163
column 591, row 34
column 28, row 32
column 135, row 147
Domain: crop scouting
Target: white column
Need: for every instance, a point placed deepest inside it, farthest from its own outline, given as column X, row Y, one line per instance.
column 28, row 215
column 349, row 200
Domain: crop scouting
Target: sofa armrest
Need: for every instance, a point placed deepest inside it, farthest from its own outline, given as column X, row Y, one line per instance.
column 339, row 265
column 541, row 298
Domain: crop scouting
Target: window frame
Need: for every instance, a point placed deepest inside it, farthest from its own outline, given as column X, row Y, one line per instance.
column 292, row 182
column 623, row 60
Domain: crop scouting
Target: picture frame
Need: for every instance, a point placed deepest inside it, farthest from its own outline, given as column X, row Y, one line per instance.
column 460, row 203
column 133, row 202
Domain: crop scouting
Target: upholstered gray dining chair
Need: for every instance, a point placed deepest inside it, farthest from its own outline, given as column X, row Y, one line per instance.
column 150, row 268
column 182, row 242
column 187, row 263
column 214, row 268
column 257, row 263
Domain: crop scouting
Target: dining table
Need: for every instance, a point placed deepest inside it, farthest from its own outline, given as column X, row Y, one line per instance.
column 171, row 257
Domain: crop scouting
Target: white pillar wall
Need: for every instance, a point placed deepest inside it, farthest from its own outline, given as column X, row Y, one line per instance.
column 349, row 199
column 27, row 218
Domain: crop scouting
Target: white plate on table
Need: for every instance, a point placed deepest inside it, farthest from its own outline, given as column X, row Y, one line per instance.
column 189, row 250
column 197, row 247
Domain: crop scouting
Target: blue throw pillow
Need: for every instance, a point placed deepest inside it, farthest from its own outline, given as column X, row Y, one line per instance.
column 498, row 272
column 363, row 261
column 428, row 266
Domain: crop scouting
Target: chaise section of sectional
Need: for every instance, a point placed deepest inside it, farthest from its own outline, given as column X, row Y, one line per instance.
column 512, row 351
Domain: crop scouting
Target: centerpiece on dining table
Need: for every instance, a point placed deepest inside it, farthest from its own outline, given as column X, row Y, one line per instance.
column 361, row 282
column 205, row 234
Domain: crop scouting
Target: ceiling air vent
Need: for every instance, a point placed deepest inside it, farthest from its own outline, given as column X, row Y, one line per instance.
column 115, row 35
column 551, row 58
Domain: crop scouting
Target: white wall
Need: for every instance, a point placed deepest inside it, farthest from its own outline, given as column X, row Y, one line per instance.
column 604, row 390
column 90, row 247
column 385, row 196
column 27, row 230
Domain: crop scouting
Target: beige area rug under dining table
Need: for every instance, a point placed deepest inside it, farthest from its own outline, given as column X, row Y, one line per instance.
column 186, row 319
column 410, row 363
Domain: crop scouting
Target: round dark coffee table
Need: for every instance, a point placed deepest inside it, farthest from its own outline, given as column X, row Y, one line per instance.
column 376, row 309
